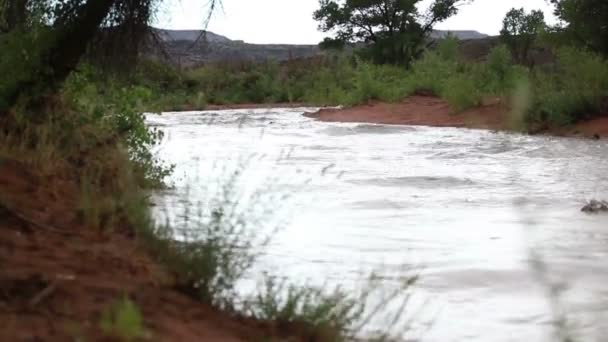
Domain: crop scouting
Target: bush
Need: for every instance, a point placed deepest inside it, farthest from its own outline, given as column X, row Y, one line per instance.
column 429, row 73
column 118, row 110
column 499, row 75
column 574, row 90
column 335, row 314
column 20, row 59
column 461, row 92
column 328, row 316
column 123, row 320
column 463, row 84
column 209, row 250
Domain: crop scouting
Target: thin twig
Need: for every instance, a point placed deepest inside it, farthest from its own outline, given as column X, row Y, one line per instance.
column 46, row 292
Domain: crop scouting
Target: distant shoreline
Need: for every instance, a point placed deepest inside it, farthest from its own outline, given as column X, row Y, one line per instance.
column 419, row 110
column 431, row 111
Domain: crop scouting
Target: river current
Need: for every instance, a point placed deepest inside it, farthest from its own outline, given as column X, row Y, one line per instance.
column 490, row 222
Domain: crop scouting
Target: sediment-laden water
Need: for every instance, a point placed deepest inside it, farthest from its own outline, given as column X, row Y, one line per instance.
column 466, row 209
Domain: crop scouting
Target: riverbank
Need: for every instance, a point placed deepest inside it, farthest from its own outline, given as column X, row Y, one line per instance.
column 61, row 279
column 432, row 111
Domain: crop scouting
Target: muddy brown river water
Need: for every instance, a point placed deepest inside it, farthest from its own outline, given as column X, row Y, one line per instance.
column 468, row 210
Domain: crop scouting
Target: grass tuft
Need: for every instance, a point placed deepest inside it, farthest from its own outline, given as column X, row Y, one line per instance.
column 123, row 320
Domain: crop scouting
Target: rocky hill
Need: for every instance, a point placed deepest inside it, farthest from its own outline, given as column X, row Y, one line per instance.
column 462, row 34
column 193, row 47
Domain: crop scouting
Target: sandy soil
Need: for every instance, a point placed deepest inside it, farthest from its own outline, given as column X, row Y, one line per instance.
column 57, row 276
column 432, row 111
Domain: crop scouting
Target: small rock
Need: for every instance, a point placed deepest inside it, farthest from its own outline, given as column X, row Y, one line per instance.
column 595, row 206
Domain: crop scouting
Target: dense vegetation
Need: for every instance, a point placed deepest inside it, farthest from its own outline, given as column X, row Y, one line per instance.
column 570, row 87
column 584, row 23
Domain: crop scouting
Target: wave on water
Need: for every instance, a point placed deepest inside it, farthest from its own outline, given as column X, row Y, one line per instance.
column 366, row 129
column 379, row 204
column 323, row 148
column 248, row 119
column 426, row 182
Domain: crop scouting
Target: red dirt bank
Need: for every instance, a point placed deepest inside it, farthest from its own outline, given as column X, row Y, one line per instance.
column 57, row 276
column 432, row 111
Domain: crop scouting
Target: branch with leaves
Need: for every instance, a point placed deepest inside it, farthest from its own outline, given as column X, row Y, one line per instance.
column 395, row 28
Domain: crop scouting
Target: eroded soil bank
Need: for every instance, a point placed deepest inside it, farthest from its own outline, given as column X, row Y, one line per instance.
column 58, row 277
column 432, row 111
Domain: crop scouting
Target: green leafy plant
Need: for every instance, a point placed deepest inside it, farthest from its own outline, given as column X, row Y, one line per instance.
column 333, row 313
column 211, row 248
column 119, row 110
column 328, row 316
column 574, row 91
column 123, row 320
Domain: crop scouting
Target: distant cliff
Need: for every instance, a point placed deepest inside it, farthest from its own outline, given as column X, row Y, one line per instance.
column 193, row 47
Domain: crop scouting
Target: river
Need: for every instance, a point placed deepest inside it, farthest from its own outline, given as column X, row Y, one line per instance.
column 464, row 209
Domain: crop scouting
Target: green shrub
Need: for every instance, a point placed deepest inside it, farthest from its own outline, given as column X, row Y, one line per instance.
column 574, row 90
column 447, row 48
column 118, row 109
column 123, row 320
column 158, row 75
column 464, row 84
column 461, row 92
column 430, row 72
column 20, row 59
column 210, row 249
column 335, row 314
column 498, row 75
column 328, row 316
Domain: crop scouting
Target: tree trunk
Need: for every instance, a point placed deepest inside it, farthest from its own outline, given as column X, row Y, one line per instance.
column 16, row 14
column 71, row 38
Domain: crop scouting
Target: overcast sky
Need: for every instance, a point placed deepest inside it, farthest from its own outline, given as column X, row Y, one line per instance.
column 290, row 21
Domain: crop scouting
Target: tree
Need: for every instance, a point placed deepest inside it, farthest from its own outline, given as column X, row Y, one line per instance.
column 394, row 31
column 586, row 22
column 13, row 14
column 61, row 38
column 48, row 38
column 519, row 31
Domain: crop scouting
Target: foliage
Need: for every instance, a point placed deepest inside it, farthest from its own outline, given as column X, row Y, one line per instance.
column 574, row 91
column 71, row 27
column 499, row 72
column 123, row 320
column 519, row 31
column 586, row 22
column 328, row 315
column 118, row 109
column 332, row 80
column 218, row 243
column 461, row 92
column 20, row 55
column 340, row 79
column 336, row 313
column 464, row 84
column 394, row 30
column 429, row 73
column 212, row 258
